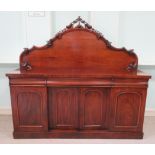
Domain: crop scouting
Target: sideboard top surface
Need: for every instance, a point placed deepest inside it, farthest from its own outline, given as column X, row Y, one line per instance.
column 78, row 51
column 18, row 74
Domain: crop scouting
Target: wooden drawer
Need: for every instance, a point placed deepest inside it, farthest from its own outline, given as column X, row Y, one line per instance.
column 80, row 82
column 27, row 81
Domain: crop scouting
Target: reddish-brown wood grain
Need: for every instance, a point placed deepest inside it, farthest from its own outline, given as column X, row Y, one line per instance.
column 63, row 108
column 127, row 108
column 29, row 108
column 93, row 107
column 84, row 54
column 78, row 86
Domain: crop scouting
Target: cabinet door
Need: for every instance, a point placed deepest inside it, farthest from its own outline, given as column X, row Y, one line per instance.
column 29, row 105
column 127, row 109
column 63, row 108
column 93, row 108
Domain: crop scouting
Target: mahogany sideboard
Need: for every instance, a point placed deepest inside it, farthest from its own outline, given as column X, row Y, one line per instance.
column 78, row 86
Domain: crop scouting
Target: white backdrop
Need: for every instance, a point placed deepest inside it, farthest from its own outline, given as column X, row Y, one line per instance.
column 24, row 29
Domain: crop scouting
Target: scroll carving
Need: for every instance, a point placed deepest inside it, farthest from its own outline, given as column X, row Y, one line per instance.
column 132, row 66
column 26, row 59
column 79, row 23
column 26, row 66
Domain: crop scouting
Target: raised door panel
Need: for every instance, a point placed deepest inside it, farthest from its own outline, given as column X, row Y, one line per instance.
column 93, row 108
column 63, row 108
column 127, row 109
column 29, row 108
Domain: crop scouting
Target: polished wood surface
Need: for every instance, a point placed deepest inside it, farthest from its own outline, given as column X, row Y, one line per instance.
column 78, row 50
column 63, row 108
column 78, row 86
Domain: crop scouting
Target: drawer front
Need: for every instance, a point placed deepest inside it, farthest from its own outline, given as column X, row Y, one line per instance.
column 79, row 82
column 28, row 81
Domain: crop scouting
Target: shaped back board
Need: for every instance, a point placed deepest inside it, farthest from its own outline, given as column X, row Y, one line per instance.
column 78, row 49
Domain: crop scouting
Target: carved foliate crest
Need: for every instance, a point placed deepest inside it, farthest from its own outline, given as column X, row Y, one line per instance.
column 79, row 23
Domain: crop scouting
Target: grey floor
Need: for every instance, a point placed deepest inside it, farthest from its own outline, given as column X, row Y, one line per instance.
column 6, row 135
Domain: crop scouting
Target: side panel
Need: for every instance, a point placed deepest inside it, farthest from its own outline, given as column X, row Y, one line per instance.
column 29, row 107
